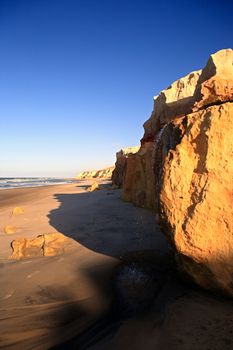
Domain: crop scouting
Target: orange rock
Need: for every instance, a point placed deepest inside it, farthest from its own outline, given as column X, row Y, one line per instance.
column 17, row 211
column 184, row 170
column 139, row 184
column 175, row 101
column 48, row 244
column 120, row 165
column 26, row 248
column 9, row 229
column 196, row 197
column 215, row 85
column 54, row 243
column 95, row 186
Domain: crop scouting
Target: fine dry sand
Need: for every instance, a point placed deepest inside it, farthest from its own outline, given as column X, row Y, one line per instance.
column 69, row 301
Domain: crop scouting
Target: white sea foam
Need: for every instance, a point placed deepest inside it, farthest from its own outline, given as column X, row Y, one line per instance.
column 19, row 182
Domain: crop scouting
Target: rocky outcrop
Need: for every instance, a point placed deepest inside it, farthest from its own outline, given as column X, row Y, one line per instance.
column 121, row 160
column 96, row 174
column 184, row 169
column 142, row 170
column 49, row 244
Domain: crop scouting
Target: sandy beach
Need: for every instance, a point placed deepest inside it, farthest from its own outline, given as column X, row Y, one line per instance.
column 67, row 301
column 47, row 300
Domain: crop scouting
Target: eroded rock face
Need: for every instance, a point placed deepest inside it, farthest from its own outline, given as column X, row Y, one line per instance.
column 96, row 174
column 196, row 197
column 215, row 85
column 138, row 180
column 175, row 101
column 49, row 244
column 185, row 168
column 121, row 160
column 141, row 170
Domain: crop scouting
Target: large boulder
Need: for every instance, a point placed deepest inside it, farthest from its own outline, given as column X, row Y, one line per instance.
column 196, row 196
column 185, row 168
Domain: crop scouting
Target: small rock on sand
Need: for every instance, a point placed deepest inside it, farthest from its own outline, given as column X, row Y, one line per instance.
column 95, row 186
column 49, row 244
column 9, row 229
column 17, row 211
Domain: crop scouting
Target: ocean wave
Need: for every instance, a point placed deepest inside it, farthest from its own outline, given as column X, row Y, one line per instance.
column 20, row 182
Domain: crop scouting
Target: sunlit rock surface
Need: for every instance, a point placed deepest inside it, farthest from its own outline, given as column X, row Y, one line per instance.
column 95, row 186
column 93, row 174
column 184, row 170
column 48, row 244
column 196, row 196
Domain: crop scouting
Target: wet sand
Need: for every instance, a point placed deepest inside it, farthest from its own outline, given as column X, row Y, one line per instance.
column 69, row 302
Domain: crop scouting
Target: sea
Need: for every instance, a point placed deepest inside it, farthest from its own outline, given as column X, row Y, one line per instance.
column 20, row 182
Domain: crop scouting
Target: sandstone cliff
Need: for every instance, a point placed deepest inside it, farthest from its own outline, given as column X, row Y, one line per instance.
column 184, row 170
column 121, row 160
column 96, row 174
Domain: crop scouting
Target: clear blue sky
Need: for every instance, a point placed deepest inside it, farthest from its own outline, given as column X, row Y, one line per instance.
column 77, row 77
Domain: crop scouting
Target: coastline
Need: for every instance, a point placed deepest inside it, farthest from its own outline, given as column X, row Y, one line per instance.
column 15, row 183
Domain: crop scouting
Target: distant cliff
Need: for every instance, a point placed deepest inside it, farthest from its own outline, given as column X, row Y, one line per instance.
column 94, row 174
column 184, row 171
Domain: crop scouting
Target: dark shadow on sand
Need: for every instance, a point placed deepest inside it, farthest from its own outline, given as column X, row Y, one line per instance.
column 103, row 223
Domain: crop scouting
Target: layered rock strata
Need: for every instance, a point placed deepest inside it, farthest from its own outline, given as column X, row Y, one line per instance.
column 184, row 169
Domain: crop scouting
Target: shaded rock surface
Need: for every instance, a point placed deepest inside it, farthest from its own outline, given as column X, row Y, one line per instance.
column 139, row 184
column 120, row 165
column 93, row 174
column 184, row 170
